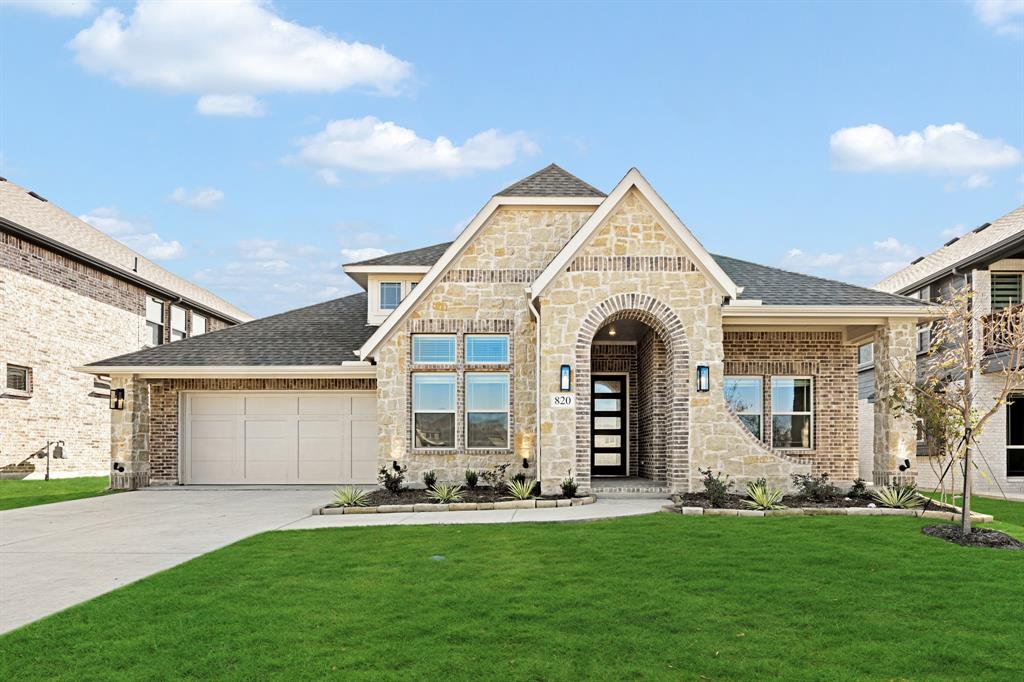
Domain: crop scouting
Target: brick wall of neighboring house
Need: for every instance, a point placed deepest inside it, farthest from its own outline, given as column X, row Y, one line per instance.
column 55, row 314
column 833, row 365
column 164, row 399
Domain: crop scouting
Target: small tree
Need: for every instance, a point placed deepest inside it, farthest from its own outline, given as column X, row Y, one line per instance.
column 945, row 395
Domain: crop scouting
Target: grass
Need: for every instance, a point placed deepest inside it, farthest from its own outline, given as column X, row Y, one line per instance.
column 654, row 597
column 15, row 494
column 1008, row 514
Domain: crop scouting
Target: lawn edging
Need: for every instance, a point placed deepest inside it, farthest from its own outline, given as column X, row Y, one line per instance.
column 457, row 506
column 828, row 511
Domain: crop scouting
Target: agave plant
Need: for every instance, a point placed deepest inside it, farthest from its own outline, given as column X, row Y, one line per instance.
column 897, row 496
column 350, row 496
column 519, row 489
column 445, row 493
column 762, row 497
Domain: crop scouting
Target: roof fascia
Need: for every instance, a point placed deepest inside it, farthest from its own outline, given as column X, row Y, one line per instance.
column 634, row 179
column 354, row 369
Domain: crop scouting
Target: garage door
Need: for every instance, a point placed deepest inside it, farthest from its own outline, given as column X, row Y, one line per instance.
column 280, row 438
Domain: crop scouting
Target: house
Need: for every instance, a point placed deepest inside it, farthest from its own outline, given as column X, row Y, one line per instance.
column 565, row 332
column 990, row 261
column 70, row 294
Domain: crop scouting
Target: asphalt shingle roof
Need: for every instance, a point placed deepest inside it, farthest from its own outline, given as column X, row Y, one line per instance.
column 322, row 334
column 426, row 256
column 552, row 181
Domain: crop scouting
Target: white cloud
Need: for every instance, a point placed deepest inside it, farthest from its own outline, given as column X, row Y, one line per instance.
column 1005, row 17
column 865, row 264
column 976, row 180
column 957, row 230
column 230, row 105
column 55, row 8
column 356, row 255
column 201, row 199
column 371, row 145
column 135, row 235
column 229, row 49
column 951, row 148
column 327, row 177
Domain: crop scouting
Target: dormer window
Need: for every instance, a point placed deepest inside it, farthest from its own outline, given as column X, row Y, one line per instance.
column 390, row 295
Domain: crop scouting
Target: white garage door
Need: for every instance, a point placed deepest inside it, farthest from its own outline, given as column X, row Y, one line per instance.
column 280, row 438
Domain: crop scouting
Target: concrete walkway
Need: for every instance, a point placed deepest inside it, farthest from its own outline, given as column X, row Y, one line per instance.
column 57, row 555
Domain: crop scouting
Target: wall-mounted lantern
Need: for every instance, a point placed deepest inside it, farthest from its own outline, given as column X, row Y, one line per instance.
column 703, row 378
column 565, row 378
column 117, row 398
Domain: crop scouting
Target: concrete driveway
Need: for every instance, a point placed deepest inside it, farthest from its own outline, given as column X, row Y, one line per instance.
column 56, row 555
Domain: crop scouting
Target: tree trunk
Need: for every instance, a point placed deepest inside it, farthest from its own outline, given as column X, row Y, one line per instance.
column 965, row 514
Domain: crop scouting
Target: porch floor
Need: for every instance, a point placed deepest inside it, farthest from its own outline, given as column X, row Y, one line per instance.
column 627, row 486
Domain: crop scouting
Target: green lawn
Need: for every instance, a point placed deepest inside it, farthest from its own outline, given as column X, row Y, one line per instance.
column 655, row 597
column 14, row 494
column 1008, row 514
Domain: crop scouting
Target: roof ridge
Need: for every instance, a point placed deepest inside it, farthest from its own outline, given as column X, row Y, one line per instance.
column 522, row 187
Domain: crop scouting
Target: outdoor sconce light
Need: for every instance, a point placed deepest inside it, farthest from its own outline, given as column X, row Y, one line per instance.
column 905, row 466
column 117, row 398
column 565, row 380
column 118, row 467
column 703, row 378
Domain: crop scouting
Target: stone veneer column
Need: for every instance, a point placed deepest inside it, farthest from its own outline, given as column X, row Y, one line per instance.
column 895, row 435
column 129, row 435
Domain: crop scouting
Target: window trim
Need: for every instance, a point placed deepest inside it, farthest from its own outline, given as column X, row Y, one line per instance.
column 508, row 349
column 455, row 349
column 160, row 325
column 454, row 412
column 17, row 392
column 507, row 411
column 184, row 322
column 870, row 362
column 206, row 324
column 809, row 413
column 760, row 413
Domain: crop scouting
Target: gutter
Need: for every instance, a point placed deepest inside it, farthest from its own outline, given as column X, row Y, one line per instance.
column 535, row 312
column 93, row 262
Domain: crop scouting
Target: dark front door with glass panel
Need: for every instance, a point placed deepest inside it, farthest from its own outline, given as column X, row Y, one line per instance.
column 608, row 425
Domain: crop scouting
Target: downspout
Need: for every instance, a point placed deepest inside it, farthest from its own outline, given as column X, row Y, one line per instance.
column 535, row 312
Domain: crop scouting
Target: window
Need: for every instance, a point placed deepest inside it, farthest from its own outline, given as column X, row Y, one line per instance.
column 482, row 349
column 18, row 379
column 924, row 338
column 866, row 354
column 433, row 410
column 154, row 321
column 1015, row 436
column 390, row 295
column 198, row 325
column 487, row 411
column 1006, row 290
column 177, row 323
column 429, row 348
column 792, row 413
column 743, row 396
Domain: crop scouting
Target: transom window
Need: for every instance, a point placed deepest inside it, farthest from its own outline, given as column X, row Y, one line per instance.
column 486, row 349
column 17, row 378
column 390, row 295
column 1015, row 436
column 177, row 323
column 154, row 321
column 792, row 413
column 433, row 408
column 198, row 325
column 743, row 395
column 487, row 402
column 433, row 348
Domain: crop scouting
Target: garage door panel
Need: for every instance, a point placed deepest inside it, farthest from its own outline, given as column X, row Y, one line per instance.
column 207, row 427
column 364, row 405
column 216, row 472
column 217, row 404
column 271, row 404
column 268, row 428
column 328, row 404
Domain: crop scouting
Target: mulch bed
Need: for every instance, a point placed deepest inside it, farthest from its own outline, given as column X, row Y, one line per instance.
column 978, row 537
column 419, row 496
column 793, row 501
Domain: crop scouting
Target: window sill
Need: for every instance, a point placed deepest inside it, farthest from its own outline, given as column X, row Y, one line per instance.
column 15, row 393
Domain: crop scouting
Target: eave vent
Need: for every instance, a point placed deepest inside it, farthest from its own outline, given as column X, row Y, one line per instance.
column 37, row 196
column 952, row 241
column 917, row 260
column 979, row 228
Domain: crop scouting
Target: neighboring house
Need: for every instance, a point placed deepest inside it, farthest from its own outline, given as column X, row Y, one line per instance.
column 989, row 260
column 565, row 331
column 69, row 293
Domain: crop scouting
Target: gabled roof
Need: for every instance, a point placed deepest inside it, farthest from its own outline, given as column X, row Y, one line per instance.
column 40, row 219
column 773, row 286
column 320, row 335
column 552, row 181
column 634, row 180
column 426, row 256
column 1005, row 231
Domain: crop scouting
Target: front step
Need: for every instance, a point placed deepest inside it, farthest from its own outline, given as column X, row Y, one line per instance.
column 643, row 491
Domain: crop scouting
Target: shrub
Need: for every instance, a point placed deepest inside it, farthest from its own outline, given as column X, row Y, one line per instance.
column 716, row 486
column 519, row 477
column 897, row 496
column 429, row 478
column 520, row 490
column 860, row 488
column 445, row 493
column 762, row 497
column 817, row 488
column 471, row 479
column 495, row 478
column 351, row 496
column 392, row 477
column 569, row 487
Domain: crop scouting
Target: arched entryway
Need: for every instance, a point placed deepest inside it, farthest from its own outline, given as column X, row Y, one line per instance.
column 632, row 393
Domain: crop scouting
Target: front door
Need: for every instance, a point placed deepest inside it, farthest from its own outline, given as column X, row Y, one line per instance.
column 608, row 395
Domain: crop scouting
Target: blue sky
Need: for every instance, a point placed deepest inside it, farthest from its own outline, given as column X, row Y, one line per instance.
column 254, row 147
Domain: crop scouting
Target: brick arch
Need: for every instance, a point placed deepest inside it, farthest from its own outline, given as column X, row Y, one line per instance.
column 670, row 331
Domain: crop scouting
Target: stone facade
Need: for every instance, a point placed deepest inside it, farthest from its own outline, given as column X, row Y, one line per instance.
column 895, row 435
column 56, row 314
